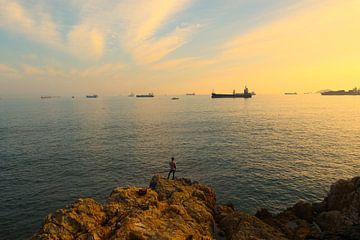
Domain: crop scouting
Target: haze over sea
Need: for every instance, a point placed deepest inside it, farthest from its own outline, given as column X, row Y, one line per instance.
column 269, row 151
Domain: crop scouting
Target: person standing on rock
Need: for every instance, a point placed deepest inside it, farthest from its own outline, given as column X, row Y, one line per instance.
column 172, row 165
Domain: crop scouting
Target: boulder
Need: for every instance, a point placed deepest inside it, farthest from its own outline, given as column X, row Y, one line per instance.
column 237, row 225
column 287, row 222
column 304, row 210
column 344, row 196
column 330, row 221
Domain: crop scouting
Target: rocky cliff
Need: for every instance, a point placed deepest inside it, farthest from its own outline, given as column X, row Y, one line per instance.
column 168, row 209
column 182, row 209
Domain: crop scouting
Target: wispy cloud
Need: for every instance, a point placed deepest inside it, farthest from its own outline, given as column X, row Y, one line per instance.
column 7, row 72
column 28, row 71
column 142, row 21
column 143, row 18
column 133, row 25
column 309, row 44
column 189, row 63
column 171, row 64
column 84, row 41
column 313, row 30
column 107, row 71
column 36, row 25
column 155, row 48
column 317, row 42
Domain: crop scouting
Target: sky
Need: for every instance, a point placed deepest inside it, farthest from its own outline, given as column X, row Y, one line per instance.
column 114, row 47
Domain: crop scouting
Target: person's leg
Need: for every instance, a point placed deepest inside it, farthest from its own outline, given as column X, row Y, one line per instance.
column 169, row 174
column 173, row 174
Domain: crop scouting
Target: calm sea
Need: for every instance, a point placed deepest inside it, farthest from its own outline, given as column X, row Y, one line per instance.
column 269, row 151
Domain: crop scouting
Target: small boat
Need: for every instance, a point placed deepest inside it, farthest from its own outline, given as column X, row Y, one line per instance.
column 92, row 96
column 175, row 98
column 145, row 95
column 73, row 97
column 190, row 94
column 290, row 93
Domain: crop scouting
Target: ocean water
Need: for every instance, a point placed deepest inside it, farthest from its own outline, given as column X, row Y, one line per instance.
column 269, row 151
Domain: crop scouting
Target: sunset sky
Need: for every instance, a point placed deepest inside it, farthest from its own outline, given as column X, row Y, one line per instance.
column 114, row 47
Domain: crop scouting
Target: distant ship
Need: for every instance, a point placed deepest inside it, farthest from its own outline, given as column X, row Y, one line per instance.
column 131, row 95
column 92, row 96
column 47, row 97
column 190, row 94
column 354, row 91
column 145, row 95
column 245, row 94
column 175, row 98
column 290, row 93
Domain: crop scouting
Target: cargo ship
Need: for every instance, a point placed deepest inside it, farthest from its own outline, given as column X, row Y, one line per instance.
column 290, row 93
column 245, row 94
column 92, row 96
column 145, row 95
column 352, row 92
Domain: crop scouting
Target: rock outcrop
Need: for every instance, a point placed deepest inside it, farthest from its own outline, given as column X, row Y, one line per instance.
column 336, row 217
column 177, row 209
column 182, row 209
column 236, row 225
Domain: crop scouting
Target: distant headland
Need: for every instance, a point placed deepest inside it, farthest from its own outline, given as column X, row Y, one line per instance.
column 354, row 91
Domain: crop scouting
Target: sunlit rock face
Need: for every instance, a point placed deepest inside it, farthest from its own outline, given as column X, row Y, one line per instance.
column 182, row 209
column 178, row 209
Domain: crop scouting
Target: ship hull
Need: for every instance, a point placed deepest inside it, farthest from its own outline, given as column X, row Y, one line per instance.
column 340, row 93
column 236, row 95
column 144, row 96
